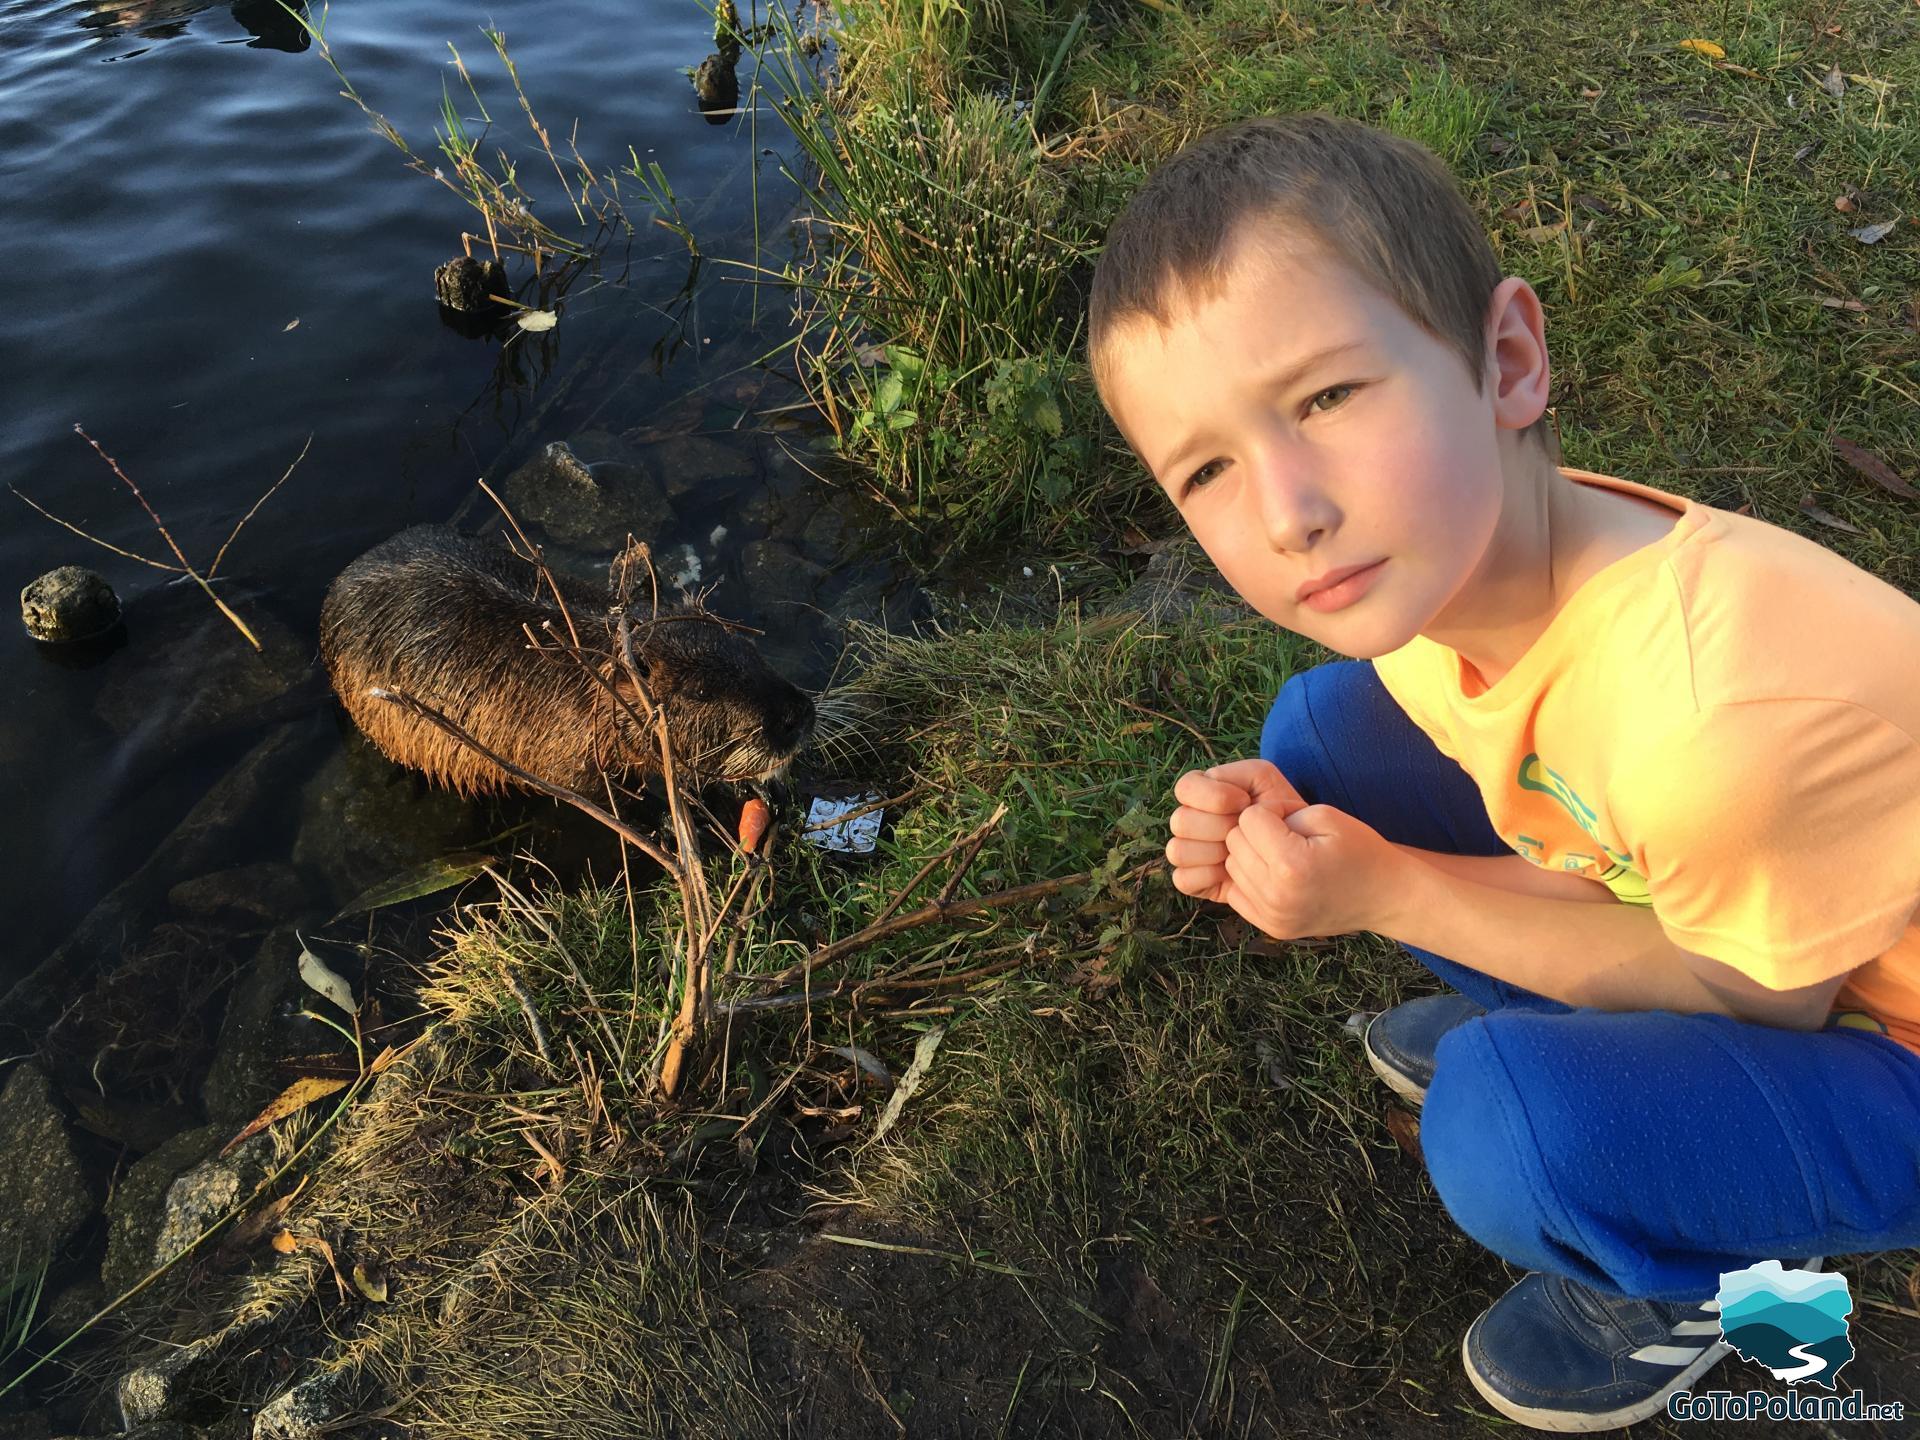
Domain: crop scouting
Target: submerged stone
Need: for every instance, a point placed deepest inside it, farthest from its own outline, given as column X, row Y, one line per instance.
column 44, row 1196
column 68, row 605
column 588, row 507
column 465, row 284
column 717, row 87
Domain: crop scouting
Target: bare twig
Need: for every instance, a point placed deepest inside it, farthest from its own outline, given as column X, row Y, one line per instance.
column 104, row 545
column 537, row 558
column 257, row 504
column 941, row 910
column 868, row 809
column 970, row 852
column 533, row 1019
column 167, row 535
column 973, row 839
column 114, row 465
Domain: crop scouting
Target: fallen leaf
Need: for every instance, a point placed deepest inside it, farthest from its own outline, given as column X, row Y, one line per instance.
column 1496, row 145
column 1834, row 304
column 536, row 319
column 867, row 1061
column 288, row 1241
column 1874, row 234
column 440, row 873
column 1587, row 92
column 909, row 1082
column 1814, row 512
column 323, row 980
column 1834, row 83
column 1704, row 47
column 251, row 1227
column 1544, row 232
column 1405, row 1131
column 1875, row 469
column 370, row 1279
column 1843, row 203
column 1094, row 978
column 295, row 1098
column 291, row 324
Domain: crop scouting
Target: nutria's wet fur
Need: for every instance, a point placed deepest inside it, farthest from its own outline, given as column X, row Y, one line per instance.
column 439, row 616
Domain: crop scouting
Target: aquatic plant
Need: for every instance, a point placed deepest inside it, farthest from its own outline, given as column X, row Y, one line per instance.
column 492, row 185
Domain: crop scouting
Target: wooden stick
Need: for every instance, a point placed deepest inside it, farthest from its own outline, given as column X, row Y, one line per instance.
column 940, row 910
column 946, row 891
column 257, row 504
column 104, row 545
column 165, row 534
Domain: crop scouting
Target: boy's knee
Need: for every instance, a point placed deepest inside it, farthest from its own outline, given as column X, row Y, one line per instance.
column 1291, row 740
column 1480, row 1150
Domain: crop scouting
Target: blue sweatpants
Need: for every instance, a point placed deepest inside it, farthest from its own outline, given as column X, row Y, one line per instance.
column 1637, row 1152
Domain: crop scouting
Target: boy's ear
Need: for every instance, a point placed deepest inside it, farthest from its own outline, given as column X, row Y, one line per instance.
column 1520, row 372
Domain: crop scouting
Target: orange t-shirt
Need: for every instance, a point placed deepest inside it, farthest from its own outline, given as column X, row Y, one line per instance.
column 1724, row 725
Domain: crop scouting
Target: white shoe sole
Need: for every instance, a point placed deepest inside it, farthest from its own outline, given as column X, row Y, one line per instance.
column 1564, row 1423
column 1411, row 1091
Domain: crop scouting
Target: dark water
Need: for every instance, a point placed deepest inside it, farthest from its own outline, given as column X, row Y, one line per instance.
column 182, row 183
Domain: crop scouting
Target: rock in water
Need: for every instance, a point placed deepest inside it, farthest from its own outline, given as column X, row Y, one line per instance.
column 717, row 87
column 464, row 283
column 43, row 1193
column 69, row 604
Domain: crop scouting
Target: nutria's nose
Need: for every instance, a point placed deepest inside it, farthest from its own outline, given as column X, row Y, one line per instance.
column 792, row 720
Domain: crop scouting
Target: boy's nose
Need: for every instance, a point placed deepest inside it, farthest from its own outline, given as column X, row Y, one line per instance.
column 1294, row 511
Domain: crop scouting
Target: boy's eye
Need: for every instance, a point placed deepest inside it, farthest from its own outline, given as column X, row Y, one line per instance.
column 1201, row 476
column 1342, row 390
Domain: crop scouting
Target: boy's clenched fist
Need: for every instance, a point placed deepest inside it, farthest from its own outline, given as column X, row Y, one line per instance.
column 1243, row 836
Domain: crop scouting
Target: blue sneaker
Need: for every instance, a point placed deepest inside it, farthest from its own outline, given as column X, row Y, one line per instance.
column 1556, row 1355
column 1400, row 1042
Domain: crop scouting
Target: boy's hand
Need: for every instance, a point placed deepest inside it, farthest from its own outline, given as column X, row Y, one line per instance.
column 1245, row 837
column 1210, row 805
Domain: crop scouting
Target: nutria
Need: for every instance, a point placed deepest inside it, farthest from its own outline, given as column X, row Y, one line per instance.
column 439, row 616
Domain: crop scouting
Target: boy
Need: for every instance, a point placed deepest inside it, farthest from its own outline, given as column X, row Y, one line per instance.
column 1646, row 771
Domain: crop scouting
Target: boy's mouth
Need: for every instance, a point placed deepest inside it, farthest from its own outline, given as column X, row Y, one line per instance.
column 1338, row 588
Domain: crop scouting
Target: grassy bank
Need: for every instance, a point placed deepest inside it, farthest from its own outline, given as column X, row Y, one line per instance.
column 1143, row 1183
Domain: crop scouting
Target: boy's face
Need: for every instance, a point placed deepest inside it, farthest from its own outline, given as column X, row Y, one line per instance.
column 1287, row 467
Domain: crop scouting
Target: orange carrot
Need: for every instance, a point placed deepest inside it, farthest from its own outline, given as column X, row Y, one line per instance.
column 754, row 820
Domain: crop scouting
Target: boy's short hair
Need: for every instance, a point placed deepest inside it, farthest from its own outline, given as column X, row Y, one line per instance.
column 1383, row 205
